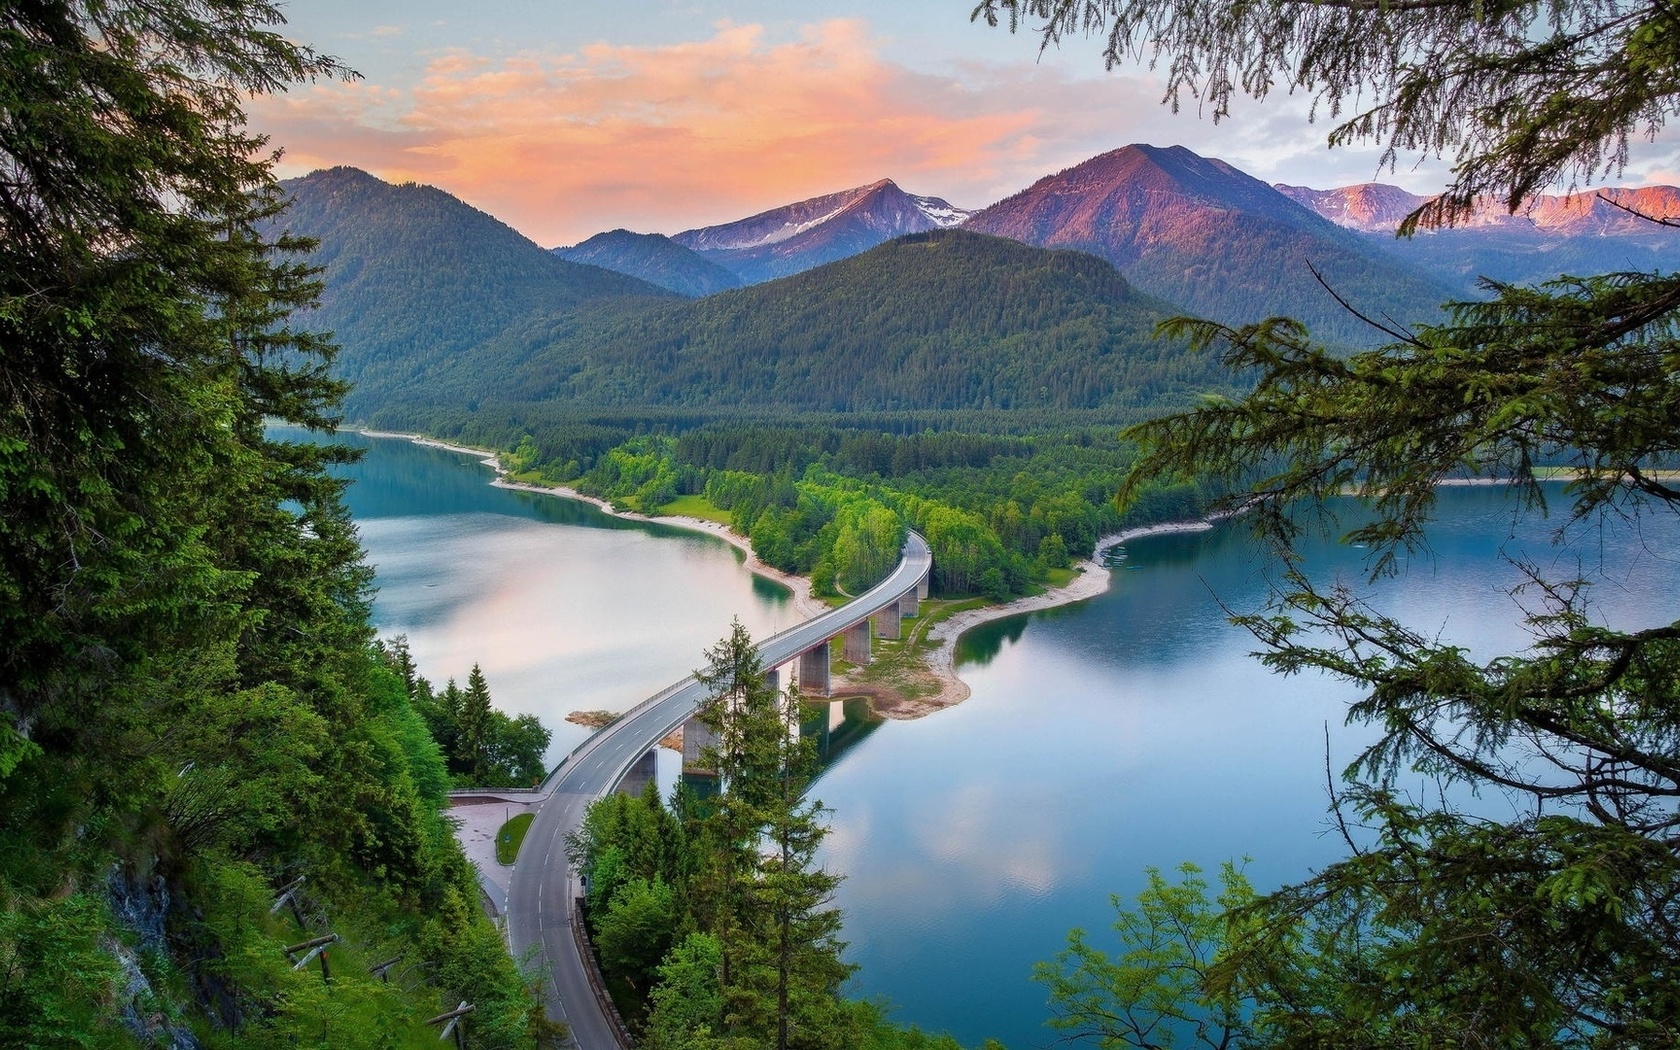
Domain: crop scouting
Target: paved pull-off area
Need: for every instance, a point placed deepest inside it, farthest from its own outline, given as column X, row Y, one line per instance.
column 478, row 818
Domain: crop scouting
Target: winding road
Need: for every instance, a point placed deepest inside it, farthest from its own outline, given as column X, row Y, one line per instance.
column 541, row 889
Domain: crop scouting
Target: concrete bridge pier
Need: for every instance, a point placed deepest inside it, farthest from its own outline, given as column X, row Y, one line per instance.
column 922, row 586
column 644, row 772
column 697, row 737
column 887, row 622
column 909, row 605
column 813, row 671
column 856, row 649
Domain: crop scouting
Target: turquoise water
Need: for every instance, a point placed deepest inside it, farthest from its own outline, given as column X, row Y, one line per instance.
column 1127, row 731
column 564, row 607
column 1136, row 730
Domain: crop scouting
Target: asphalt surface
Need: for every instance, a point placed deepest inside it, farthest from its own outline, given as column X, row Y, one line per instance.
column 541, row 890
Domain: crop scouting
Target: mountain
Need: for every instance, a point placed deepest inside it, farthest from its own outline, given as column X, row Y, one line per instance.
column 1369, row 208
column 1219, row 243
column 414, row 277
column 796, row 237
column 1578, row 233
column 1375, row 208
column 654, row 258
column 946, row 319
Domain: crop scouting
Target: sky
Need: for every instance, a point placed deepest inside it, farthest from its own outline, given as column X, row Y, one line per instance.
column 564, row 119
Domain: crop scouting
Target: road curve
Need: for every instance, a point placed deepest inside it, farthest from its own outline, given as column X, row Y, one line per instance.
column 540, row 890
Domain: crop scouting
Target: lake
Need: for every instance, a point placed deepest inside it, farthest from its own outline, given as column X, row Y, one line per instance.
column 1129, row 731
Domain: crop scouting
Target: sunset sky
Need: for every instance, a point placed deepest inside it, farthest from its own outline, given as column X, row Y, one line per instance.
column 564, row 119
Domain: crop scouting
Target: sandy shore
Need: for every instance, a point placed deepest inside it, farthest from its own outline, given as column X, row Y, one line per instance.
column 1091, row 580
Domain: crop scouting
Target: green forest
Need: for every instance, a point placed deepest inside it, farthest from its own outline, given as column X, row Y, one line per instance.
column 999, row 509
column 220, row 808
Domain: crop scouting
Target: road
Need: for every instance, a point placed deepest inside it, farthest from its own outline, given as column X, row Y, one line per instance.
column 541, row 889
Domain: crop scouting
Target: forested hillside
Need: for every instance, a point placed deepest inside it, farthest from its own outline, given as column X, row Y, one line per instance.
column 944, row 321
column 414, row 277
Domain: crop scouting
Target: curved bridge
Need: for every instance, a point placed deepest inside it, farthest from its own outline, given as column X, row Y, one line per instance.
column 541, row 890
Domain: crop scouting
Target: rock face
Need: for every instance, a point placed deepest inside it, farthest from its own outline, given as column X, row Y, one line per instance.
column 654, row 258
column 1368, row 207
column 1208, row 237
column 800, row 236
column 1373, row 207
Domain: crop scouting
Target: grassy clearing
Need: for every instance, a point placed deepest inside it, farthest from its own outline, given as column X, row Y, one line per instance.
column 902, row 666
column 696, row 506
column 531, row 477
column 936, row 609
column 1060, row 577
column 512, row 836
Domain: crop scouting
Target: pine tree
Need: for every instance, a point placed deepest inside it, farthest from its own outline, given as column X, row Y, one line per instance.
column 780, row 968
column 475, row 725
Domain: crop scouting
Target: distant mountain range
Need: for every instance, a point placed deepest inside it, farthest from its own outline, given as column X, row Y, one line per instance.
column 905, row 302
column 1613, row 212
column 1580, row 233
column 469, row 311
column 776, row 243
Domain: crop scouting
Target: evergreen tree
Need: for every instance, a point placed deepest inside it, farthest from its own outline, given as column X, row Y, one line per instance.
column 780, row 968
column 191, row 710
column 475, row 727
column 795, row 965
column 447, row 726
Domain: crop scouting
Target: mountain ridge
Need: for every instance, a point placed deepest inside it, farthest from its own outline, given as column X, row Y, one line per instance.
column 1580, row 233
column 1374, row 207
column 654, row 258
column 783, row 241
column 413, row 275
column 1203, row 234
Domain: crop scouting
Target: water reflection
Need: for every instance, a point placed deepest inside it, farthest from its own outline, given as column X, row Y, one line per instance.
column 837, row 726
column 564, row 607
column 978, row 646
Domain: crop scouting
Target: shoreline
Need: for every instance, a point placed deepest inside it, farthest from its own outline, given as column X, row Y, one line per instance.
column 1092, row 579
column 799, row 585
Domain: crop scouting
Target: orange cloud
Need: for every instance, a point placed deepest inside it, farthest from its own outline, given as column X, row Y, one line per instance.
column 665, row 138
